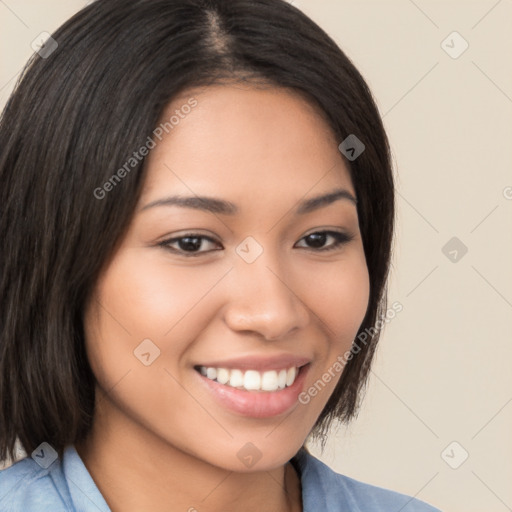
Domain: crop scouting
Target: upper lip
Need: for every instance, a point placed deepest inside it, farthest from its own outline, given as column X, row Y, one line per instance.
column 260, row 363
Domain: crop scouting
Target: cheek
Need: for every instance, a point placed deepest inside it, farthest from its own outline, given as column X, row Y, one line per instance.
column 339, row 296
column 140, row 299
column 145, row 296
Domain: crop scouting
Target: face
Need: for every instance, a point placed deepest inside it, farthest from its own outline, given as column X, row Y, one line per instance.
column 212, row 317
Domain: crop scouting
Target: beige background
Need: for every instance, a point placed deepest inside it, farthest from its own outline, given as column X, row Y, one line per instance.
column 442, row 372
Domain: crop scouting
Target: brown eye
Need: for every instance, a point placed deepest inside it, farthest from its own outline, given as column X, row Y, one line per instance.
column 188, row 244
column 317, row 240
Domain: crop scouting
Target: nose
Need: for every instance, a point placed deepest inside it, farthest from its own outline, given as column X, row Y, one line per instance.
column 265, row 300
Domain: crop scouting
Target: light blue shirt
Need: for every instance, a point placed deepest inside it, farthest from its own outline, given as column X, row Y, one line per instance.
column 67, row 486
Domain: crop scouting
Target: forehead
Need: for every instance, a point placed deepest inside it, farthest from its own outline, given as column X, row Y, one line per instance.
column 245, row 141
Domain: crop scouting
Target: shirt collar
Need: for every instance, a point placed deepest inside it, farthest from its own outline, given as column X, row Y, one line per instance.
column 85, row 495
column 313, row 497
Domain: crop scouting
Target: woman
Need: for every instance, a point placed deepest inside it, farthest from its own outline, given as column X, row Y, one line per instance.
column 197, row 216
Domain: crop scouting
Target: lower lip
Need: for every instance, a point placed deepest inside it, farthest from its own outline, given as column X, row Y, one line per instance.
column 257, row 404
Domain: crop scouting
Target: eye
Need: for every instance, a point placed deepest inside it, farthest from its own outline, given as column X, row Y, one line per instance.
column 318, row 239
column 188, row 244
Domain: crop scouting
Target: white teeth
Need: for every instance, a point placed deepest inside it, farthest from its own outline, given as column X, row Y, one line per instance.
column 237, row 379
column 222, row 375
column 290, row 376
column 281, row 379
column 269, row 381
column 252, row 380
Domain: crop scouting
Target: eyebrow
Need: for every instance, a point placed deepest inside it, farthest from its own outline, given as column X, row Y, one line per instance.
column 215, row 205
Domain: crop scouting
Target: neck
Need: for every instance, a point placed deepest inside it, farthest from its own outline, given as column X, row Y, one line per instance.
column 136, row 470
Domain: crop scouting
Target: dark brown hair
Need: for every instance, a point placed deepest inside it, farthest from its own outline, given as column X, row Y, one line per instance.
column 75, row 116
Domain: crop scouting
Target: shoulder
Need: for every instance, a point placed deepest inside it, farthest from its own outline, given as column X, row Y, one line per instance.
column 27, row 487
column 332, row 492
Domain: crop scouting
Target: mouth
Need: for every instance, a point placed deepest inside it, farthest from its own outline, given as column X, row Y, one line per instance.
column 254, row 393
column 251, row 380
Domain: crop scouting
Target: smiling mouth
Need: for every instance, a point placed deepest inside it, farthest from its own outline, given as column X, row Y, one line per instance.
column 251, row 380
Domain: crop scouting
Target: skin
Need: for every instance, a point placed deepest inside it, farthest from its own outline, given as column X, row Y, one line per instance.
column 159, row 440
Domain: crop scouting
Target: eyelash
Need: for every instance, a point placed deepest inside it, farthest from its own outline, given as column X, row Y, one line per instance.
column 340, row 239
